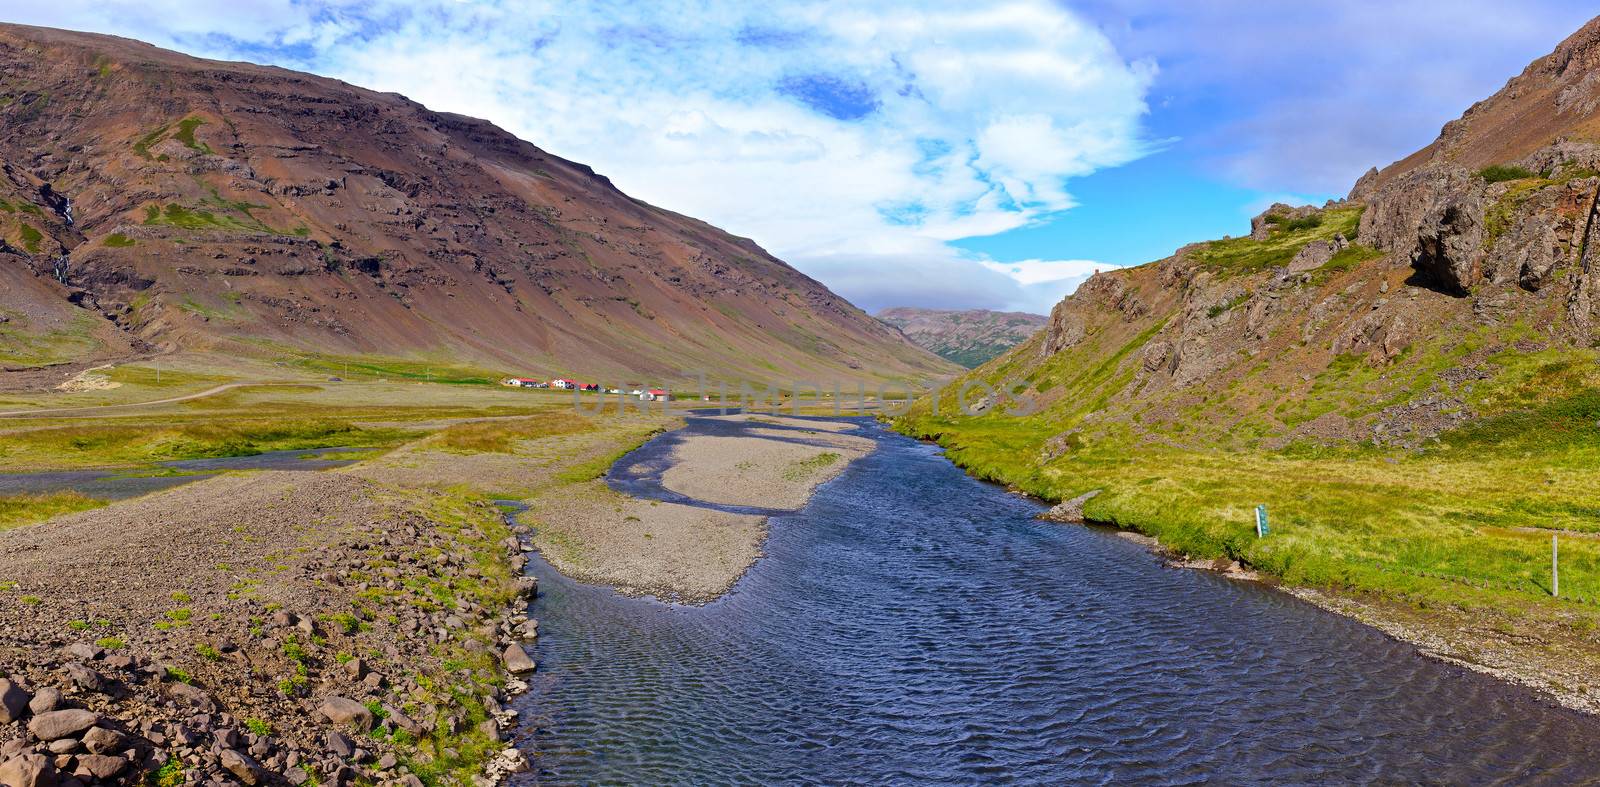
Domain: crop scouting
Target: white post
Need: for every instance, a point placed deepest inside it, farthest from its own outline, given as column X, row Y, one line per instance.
column 1555, row 566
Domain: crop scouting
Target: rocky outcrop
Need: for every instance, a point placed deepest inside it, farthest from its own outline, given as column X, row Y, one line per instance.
column 1434, row 219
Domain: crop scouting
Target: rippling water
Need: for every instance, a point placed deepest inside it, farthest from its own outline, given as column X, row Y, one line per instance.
column 914, row 626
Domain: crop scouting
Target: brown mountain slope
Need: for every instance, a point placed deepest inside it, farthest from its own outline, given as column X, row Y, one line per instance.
column 202, row 204
column 1555, row 97
column 970, row 337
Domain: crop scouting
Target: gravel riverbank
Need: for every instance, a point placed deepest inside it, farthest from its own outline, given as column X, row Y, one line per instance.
column 265, row 628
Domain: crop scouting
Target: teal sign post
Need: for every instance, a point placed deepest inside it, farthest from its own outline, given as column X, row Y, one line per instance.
column 1261, row 522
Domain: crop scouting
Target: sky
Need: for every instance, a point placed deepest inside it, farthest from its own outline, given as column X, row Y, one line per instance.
column 928, row 153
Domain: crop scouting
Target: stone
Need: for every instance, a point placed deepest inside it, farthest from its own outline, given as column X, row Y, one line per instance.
column 64, row 746
column 61, row 724
column 29, row 770
column 343, row 710
column 13, row 701
column 411, row 780
column 84, row 651
column 241, row 765
column 1071, row 510
column 517, row 660
column 100, row 766
column 99, row 740
column 192, row 696
column 297, row 775
column 48, row 699
column 340, row 744
column 85, row 678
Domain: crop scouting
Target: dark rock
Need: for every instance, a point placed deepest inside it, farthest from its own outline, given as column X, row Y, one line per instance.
column 85, row 678
column 340, row 744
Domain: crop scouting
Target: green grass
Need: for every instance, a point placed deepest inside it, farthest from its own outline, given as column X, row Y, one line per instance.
column 31, row 237
column 117, row 240
column 1238, row 256
column 1346, row 259
column 185, row 134
column 27, row 509
column 110, row 443
column 502, row 437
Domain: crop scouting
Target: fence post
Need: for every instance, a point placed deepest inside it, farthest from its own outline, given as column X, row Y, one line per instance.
column 1555, row 566
column 1261, row 521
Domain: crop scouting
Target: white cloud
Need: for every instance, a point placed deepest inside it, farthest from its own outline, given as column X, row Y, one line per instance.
column 829, row 132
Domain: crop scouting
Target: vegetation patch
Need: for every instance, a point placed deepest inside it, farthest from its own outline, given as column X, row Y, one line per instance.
column 1499, row 173
column 117, row 240
column 27, row 509
column 1239, row 256
column 30, row 238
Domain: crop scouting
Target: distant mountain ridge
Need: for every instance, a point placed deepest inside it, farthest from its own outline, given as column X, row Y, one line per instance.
column 970, row 337
column 156, row 200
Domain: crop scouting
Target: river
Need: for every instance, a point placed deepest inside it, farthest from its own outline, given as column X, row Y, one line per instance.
column 914, row 626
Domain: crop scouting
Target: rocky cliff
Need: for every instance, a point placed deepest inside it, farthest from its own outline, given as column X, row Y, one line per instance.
column 1455, row 284
column 161, row 201
column 969, row 337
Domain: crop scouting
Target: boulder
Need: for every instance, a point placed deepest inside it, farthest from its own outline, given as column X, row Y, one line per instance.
column 191, row 696
column 346, row 711
column 61, row 724
column 517, row 660
column 13, row 701
column 241, row 765
column 85, row 678
column 29, row 770
column 99, row 740
column 48, row 699
column 100, row 766
column 341, row 745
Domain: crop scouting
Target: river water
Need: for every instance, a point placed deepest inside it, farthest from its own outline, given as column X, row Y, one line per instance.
column 914, row 626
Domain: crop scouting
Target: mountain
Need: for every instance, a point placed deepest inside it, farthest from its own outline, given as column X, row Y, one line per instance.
column 968, row 337
column 1390, row 401
column 155, row 201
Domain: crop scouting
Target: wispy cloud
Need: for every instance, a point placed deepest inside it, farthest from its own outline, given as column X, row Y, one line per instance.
column 845, row 137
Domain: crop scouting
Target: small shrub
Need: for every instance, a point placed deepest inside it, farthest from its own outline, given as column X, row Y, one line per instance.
column 1499, row 173
column 207, row 652
column 181, row 597
column 110, row 643
column 31, row 600
column 179, row 675
column 78, row 625
column 117, row 240
column 258, row 727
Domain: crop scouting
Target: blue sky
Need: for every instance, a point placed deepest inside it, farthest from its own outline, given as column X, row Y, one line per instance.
column 930, row 153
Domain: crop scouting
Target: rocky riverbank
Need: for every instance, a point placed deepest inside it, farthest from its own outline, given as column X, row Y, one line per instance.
column 275, row 628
